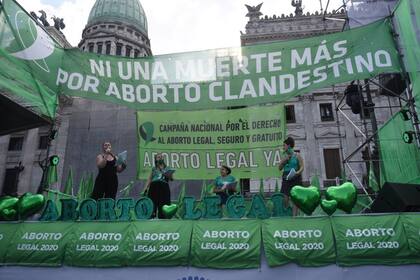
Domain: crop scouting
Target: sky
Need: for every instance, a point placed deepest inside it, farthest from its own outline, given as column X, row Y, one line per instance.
column 178, row 25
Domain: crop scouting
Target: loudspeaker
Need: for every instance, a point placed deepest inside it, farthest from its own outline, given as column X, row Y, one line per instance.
column 396, row 197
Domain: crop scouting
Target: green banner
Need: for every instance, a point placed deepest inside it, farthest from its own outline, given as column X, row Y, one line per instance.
column 217, row 78
column 99, row 244
column 160, row 244
column 411, row 224
column 29, row 59
column 226, row 244
column 39, row 244
column 305, row 241
column 196, row 144
column 364, row 240
column 407, row 24
column 7, row 233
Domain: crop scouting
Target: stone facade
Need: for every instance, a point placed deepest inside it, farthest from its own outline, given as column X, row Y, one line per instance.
column 319, row 137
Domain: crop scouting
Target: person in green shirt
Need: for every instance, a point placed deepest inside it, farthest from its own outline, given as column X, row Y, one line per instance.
column 157, row 186
column 222, row 183
column 292, row 162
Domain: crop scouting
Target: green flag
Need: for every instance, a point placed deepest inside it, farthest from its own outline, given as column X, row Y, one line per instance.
column 52, row 176
column 315, row 181
column 373, row 183
column 261, row 187
column 88, row 186
column 68, row 188
column 81, row 191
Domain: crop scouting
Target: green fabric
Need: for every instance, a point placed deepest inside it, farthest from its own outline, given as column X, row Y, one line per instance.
column 39, row 244
column 362, row 240
column 411, row 222
column 305, row 241
column 227, row 244
column 391, row 239
column 7, row 233
column 220, row 181
column 148, row 249
column 219, row 78
column 315, row 181
column 157, row 174
column 400, row 162
column 197, row 143
column 68, row 188
column 407, row 23
column 52, row 176
column 292, row 163
column 100, row 244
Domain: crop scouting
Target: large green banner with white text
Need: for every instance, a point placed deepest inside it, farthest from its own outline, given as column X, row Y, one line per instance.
column 101, row 244
column 307, row 242
column 39, row 244
column 160, row 244
column 227, row 244
column 196, row 144
column 365, row 240
column 345, row 240
column 216, row 78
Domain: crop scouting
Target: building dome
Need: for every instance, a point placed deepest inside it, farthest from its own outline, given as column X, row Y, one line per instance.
column 125, row 11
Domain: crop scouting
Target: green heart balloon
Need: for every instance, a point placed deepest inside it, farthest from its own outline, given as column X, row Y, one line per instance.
column 329, row 206
column 169, row 210
column 7, row 204
column 345, row 195
column 30, row 204
column 8, row 214
column 306, row 198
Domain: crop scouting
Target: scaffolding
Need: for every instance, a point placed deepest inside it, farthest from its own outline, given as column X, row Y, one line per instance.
column 371, row 142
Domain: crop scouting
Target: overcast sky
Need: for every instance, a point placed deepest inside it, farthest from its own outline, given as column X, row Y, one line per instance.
column 178, row 25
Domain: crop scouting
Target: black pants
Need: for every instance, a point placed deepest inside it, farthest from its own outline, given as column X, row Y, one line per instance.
column 105, row 187
column 160, row 194
column 287, row 185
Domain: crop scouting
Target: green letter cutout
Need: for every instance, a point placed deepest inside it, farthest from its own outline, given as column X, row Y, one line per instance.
column 124, row 205
column 50, row 212
column 235, row 206
column 68, row 209
column 213, row 210
column 258, row 209
column 143, row 208
column 278, row 207
column 88, row 210
column 106, row 211
column 190, row 212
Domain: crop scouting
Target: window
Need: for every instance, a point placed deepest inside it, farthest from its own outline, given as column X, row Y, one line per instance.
column 16, row 143
column 290, row 114
column 99, row 48
column 43, row 142
column 119, row 49
column 108, row 48
column 90, row 47
column 136, row 53
column 10, row 181
column 326, row 112
column 127, row 51
column 332, row 163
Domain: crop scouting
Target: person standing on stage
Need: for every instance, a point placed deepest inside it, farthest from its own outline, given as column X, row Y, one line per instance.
column 157, row 186
column 292, row 162
column 106, row 183
column 221, row 184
